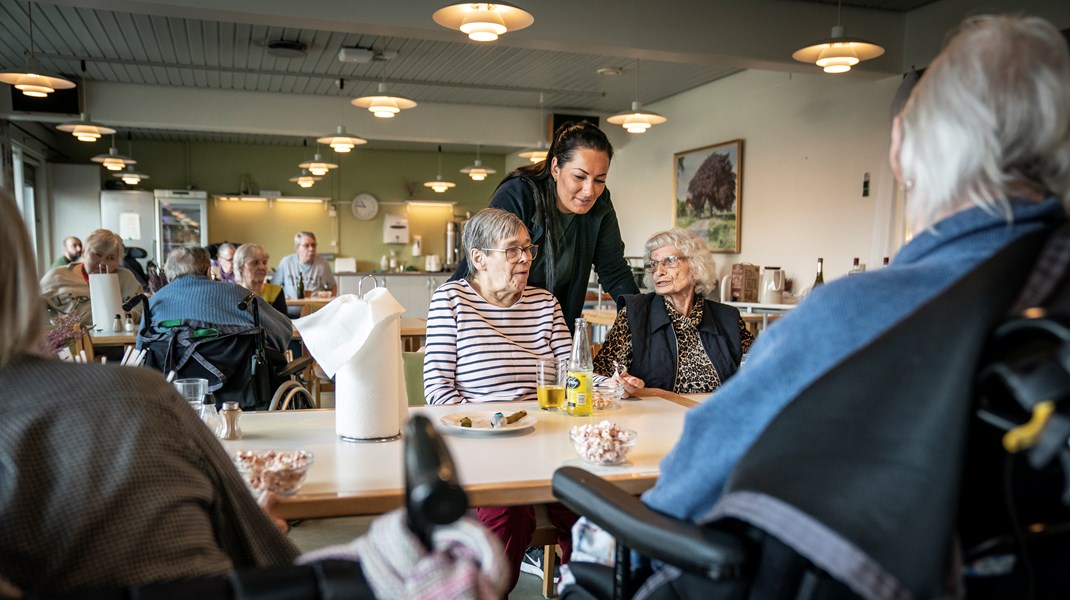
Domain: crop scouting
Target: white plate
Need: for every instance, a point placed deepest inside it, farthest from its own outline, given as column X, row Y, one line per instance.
column 481, row 422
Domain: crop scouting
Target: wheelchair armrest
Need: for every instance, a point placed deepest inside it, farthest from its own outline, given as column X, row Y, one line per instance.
column 693, row 548
column 296, row 365
column 433, row 494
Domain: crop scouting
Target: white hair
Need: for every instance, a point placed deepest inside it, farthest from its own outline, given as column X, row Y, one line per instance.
column 989, row 116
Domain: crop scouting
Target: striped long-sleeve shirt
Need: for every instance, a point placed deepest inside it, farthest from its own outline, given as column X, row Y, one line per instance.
column 479, row 352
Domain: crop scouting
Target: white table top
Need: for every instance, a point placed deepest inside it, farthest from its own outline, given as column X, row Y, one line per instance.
column 366, row 478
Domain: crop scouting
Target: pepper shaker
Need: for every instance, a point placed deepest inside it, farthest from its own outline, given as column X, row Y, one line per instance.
column 231, row 413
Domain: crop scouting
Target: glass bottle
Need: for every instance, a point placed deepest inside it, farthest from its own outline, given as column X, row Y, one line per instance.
column 580, row 373
column 300, row 285
column 210, row 416
column 230, row 429
column 820, row 279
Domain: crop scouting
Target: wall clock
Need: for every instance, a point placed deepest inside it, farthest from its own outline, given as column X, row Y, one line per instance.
column 365, row 207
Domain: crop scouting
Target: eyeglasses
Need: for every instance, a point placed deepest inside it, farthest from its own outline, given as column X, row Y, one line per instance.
column 670, row 263
column 513, row 254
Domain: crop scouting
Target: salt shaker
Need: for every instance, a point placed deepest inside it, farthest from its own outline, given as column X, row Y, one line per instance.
column 117, row 324
column 129, row 324
column 209, row 415
column 230, row 430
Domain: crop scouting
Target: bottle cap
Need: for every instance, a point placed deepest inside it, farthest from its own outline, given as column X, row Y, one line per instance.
column 230, row 406
column 209, row 398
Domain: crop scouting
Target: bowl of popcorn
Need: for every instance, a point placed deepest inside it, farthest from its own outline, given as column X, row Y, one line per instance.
column 606, row 394
column 603, row 444
column 279, row 471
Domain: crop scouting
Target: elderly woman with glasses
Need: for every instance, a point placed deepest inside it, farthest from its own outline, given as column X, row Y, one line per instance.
column 484, row 335
column 251, row 266
column 674, row 338
column 66, row 288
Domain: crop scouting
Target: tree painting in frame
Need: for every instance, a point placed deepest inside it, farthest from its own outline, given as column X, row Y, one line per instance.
column 708, row 194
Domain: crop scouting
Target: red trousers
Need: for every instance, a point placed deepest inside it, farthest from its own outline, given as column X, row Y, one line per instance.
column 514, row 525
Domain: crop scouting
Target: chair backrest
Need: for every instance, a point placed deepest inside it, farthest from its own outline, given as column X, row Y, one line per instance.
column 414, row 377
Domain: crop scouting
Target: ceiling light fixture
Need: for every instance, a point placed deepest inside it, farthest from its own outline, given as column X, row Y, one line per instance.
column 838, row 53
column 383, row 105
column 130, row 175
column 636, row 120
column 305, row 180
column 341, row 141
column 33, row 81
column 113, row 161
column 483, row 21
column 477, row 171
column 439, row 185
column 317, row 166
column 539, row 152
column 84, row 129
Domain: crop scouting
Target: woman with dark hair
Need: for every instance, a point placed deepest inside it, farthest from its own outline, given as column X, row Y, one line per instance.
column 565, row 205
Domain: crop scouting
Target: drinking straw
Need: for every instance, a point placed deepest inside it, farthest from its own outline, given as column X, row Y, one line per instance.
column 171, row 376
column 126, row 355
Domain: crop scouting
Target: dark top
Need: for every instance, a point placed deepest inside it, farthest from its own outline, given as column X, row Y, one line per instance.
column 595, row 242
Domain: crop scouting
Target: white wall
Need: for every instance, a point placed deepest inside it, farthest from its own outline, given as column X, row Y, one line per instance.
column 808, row 140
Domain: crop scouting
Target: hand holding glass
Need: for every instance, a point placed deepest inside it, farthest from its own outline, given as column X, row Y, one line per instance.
column 551, row 382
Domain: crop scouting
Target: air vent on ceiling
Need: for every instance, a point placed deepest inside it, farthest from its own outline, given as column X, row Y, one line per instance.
column 286, row 48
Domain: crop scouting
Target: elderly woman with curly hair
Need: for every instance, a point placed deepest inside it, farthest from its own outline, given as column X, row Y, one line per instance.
column 674, row 338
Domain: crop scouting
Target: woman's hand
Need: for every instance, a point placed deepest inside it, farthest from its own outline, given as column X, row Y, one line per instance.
column 631, row 383
column 267, row 501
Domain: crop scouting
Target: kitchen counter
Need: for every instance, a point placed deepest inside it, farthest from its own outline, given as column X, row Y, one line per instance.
column 412, row 289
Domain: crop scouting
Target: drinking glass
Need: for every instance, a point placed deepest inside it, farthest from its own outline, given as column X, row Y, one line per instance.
column 551, row 382
column 193, row 390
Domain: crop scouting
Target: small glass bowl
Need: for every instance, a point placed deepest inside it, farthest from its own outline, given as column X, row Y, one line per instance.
column 603, row 444
column 606, row 394
column 281, row 472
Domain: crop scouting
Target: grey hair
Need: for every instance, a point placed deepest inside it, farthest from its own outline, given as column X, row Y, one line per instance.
column 225, row 246
column 301, row 234
column 697, row 251
column 485, row 229
column 103, row 240
column 989, row 115
column 244, row 253
column 187, row 260
column 21, row 310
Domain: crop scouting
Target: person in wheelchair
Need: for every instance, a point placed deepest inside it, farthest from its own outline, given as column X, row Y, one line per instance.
column 191, row 295
column 108, row 478
column 982, row 150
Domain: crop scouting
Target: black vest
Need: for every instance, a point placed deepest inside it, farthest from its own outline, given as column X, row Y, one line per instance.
column 654, row 351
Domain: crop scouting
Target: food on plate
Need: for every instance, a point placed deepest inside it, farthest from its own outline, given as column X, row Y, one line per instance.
column 513, row 418
column 465, row 422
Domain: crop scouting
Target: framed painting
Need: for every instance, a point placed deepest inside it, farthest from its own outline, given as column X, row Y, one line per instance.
column 708, row 193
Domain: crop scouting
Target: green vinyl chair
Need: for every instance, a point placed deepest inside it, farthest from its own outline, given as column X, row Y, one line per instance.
column 414, row 377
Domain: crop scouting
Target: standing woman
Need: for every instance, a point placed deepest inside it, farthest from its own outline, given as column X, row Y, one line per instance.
column 565, row 205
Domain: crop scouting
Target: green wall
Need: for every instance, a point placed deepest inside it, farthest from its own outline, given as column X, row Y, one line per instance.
column 219, row 168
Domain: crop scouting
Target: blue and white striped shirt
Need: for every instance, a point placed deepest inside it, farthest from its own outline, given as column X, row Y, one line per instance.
column 479, row 352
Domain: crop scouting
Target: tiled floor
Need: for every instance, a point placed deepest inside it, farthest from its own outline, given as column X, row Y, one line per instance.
column 310, row 535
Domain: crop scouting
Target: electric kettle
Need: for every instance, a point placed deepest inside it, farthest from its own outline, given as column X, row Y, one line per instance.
column 771, row 290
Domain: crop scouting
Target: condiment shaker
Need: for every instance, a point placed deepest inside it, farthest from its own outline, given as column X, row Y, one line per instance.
column 117, row 324
column 231, row 430
column 129, row 324
column 210, row 416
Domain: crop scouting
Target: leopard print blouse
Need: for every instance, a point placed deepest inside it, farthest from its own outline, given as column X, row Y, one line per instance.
column 694, row 373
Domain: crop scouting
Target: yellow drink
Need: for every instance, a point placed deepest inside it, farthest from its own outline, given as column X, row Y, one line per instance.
column 578, row 394
column 551, row 396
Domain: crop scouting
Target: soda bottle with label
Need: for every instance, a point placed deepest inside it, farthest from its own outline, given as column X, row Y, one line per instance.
column 580, row 373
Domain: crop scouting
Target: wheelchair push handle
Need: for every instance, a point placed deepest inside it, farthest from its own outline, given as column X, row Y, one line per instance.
column 433, row 495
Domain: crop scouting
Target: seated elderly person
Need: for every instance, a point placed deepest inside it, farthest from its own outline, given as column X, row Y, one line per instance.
column 484, row 335
column 66, row 289
column 674, row 338
column 192, row 295
column 251, row 266
column 138, row 493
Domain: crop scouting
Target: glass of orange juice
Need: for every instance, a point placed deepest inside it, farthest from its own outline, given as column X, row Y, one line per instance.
column 551, row 382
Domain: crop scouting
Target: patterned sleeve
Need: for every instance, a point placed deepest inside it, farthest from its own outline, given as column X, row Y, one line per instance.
column 561, row 339
column 440, row 353
column 746, row 338
column 617, row 347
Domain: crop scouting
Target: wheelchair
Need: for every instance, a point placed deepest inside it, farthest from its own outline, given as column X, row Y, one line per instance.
column 235, row 360
column 934, row 462
column 433, row 497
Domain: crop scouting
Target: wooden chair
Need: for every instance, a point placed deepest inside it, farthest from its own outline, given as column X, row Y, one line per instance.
column 545, row 537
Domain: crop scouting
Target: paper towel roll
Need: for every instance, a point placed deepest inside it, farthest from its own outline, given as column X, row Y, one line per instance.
column 105, row 299
column 359, row 342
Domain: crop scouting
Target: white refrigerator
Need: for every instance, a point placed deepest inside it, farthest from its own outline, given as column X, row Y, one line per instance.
column 156, row 221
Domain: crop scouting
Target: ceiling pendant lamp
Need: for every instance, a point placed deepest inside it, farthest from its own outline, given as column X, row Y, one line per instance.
column 341, row 141
column 636, row 120
column 383, row 105
column 483, row 21
column 32, row 80
column 477, row 171
column 317, row 166
column 439, row 185
column 84, row 129
column 305, row 180
column 838, row 53
column 539, row 152
column 130, row 175
column 113, row 161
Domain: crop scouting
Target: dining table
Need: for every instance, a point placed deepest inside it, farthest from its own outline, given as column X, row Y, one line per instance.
column 499, row 468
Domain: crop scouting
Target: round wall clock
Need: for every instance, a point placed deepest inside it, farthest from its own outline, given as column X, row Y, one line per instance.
column 365, row 207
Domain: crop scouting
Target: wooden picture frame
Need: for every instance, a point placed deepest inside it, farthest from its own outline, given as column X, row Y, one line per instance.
column 708, row 194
